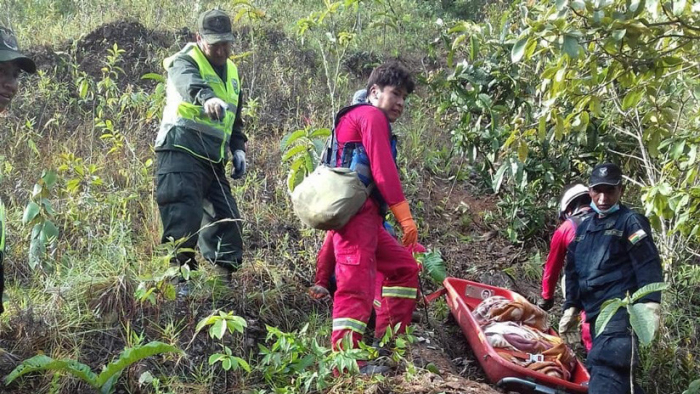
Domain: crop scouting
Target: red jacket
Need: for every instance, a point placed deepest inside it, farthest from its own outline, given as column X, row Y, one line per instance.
column 369, row 126
column 563, row 235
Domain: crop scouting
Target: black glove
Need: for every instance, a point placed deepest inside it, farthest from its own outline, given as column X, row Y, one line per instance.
column 239, row 164
column 545, row 304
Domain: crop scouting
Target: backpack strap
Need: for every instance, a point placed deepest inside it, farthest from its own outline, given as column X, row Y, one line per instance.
column 331, row 151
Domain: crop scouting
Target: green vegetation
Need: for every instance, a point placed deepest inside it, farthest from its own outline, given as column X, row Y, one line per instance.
column 516, row 101
column 106, row 380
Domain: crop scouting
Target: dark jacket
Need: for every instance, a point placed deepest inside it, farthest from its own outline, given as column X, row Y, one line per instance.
column 610, row 257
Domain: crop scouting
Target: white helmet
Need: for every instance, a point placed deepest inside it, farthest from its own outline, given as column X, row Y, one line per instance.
column 573, row 193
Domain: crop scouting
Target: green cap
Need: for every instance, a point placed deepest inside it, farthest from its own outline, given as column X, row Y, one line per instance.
column 215, row 26
column 9, row 52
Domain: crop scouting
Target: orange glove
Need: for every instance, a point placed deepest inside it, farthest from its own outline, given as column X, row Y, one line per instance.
column 402, row 213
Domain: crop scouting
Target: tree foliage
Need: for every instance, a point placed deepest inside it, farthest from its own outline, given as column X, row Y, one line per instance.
column 616, row 80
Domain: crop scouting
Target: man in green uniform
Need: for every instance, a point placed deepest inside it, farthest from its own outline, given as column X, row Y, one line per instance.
column 12, row 63
column 201, row 120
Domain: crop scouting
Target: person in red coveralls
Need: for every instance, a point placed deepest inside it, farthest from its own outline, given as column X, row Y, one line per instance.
column 363, row 247
column 574, row 206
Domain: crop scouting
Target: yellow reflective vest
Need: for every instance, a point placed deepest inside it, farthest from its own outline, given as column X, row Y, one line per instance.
column 212, row 136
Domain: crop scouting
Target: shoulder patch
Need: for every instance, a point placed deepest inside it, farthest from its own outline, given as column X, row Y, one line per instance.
column 637, row 236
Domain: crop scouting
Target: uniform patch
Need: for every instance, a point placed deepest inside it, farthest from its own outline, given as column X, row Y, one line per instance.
column 637, row 236
column 616, row 233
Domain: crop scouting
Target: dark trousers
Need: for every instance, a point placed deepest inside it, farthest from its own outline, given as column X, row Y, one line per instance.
column 195, row 203
column 610, row 360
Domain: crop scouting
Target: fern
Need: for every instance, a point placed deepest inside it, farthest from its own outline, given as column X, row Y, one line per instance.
column 435, row 265
column 130, row 356
column 106, row 380
column 45, row 363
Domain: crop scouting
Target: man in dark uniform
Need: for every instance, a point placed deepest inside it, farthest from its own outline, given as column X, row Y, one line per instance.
column 12, row 63
column 202, row 118
column 612, row 255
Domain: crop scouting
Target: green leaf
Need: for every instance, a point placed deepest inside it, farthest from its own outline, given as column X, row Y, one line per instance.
column 205, row 322
column 244, row 364
column 648, row 289
column 571, row 46
column 214, row 358
column 434, row 265
column 132, row 355
column 320, row 133
column 50, row 232
column 578, row 5
column 218, row 329
column 153, row 76
column 518, row 49
column 652, row 6
column 44, row 363
column 49, row 178
column 293, row 152
column 30, row 212
column 498, row 178
column 694, row 387
column 473, row 48
column 432, row 368
column 542, row 128
column 678, row 7
column 290, row 138
column 108, row 386
column 643, row 322
column 561, row 4
column 522, row 151
column 607, row 311
column 636, row 7
column 631, row 99
column 309, row 161
column 617, row 35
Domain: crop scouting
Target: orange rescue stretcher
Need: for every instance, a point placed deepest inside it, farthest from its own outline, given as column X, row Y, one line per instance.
column 462, row 297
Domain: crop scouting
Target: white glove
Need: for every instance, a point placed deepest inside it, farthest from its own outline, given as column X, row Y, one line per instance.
column 655, row 309
column 569, row 326
column 238, row 164
column 215, row 108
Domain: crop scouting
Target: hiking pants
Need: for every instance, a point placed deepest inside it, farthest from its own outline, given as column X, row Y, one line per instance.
column 192, row 196
column 610, row 359
column 362, row 248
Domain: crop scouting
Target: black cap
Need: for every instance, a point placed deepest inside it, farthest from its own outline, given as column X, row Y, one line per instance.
column 9, row 52
column 606, row 174
column 215, row 26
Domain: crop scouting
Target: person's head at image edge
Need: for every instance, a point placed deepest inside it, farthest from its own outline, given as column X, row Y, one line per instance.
column 574, row 198
column 605, row 188
column 215, row 36
column 387, row 88
column 12, row 63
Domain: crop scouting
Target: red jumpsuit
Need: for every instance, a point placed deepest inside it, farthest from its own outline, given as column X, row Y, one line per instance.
column 561, row 239
column 325, row 266
column 363, row 247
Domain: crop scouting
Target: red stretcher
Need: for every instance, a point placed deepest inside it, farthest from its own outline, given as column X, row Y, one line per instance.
column 462, row 297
